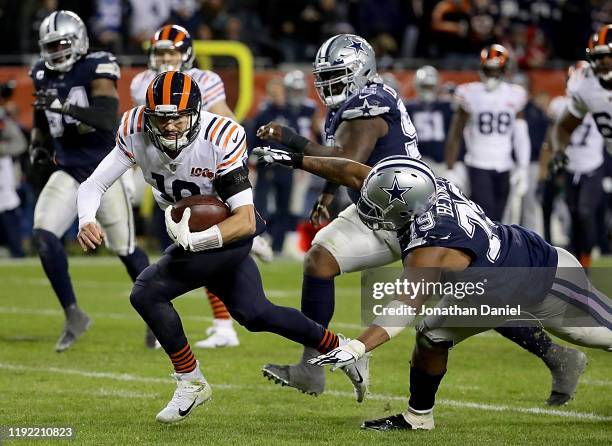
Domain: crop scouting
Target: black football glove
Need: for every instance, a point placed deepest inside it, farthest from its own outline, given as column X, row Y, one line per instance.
column 46, row 100
column 558, row 163
column 277, row 156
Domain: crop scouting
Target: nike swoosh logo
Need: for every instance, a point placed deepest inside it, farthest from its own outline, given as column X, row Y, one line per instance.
column 359, row 375
column 363, row 96
column 235, row 138
column 182, row 412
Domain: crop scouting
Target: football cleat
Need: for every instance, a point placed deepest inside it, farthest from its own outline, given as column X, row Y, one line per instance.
column 402, row 421
column 219, row 337
column 566, row 365
column 187, row 396
column 77, row 323
column 306, row 378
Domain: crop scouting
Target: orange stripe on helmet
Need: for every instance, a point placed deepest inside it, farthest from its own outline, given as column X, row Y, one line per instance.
column 179, row 37
column 165, row 33
column 167, row 87
column 186, row 92
column 603, row 32
column 150, row 98
column 493, row 53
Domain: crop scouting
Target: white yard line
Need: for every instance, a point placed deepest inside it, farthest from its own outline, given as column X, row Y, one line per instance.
column 379, row 397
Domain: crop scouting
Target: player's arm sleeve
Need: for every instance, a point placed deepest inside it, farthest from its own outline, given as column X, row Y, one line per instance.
column 577, row 107
column 115, row 164
column 232, row 180
column 101, row 114
column 522, row 143
column 213, row 90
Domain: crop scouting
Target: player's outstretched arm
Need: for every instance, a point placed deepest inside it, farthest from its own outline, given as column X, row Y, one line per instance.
column 115, row 164
column 338, row 170
column 562, row 131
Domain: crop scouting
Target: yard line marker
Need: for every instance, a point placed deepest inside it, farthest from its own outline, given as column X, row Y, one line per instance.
column 126, row 377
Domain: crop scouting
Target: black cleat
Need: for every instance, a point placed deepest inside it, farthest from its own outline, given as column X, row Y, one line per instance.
column 407, row 421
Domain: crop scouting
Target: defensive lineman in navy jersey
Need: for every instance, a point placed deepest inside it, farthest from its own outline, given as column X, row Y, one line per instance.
column 366, row 122
column 441, row 231
column 75, row 115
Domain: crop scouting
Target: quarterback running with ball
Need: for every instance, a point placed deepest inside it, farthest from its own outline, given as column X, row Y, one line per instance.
column 170, row 137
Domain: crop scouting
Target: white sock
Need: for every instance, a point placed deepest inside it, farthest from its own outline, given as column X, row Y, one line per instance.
column 222, row 323
column 194, row 375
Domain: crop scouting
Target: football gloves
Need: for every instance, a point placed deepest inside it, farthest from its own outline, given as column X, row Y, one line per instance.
column 557, row 163
column 179, row 232
column 346, row 354
column 278, row 156
column 46, row 100
column 40, row 157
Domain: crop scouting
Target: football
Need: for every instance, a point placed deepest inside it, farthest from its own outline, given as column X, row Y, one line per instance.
column 206, row 211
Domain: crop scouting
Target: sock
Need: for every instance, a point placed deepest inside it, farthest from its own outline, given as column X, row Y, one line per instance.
column 329, row 342
column 218, row 308
column 533, row 339
column 194, row 375
column 423, row 388
column 222, row 323
column 183, row 360
column 585, row 260
column 135, row 262
column 318, row 299
column 55, row 263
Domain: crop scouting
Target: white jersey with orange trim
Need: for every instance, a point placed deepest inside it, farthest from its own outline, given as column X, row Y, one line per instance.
column 218, row 149
column 211, row 86
column 588, row 96
column 488, row 132
column 585, row 152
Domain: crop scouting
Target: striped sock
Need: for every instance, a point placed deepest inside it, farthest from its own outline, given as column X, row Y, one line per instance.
column 329, row 342
column 183, row 360
column 218, row 308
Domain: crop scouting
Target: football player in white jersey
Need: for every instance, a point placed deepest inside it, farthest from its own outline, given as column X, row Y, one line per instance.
column 590, row 91
column 172, row 50
column 583, row 176
column 184, row 151
column 489, row 115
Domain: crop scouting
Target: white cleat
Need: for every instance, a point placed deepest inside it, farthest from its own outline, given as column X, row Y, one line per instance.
column 187, row 396
column 262, row 250
column 219, row 337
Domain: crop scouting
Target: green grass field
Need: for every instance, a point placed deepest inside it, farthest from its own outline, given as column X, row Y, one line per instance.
column 109, row 388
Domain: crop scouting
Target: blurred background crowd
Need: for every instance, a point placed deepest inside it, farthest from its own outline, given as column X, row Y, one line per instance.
column 280, row 31
column 283, row 36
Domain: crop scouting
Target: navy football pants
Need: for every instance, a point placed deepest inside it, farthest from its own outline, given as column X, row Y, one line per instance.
column 229, row 273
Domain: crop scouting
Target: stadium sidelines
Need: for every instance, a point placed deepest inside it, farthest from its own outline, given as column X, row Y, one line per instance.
column 380, row 397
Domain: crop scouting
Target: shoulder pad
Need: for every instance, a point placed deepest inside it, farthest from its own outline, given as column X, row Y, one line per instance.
column 37, row 72
column 102, row 55
column 103, row 64
column 372, row 100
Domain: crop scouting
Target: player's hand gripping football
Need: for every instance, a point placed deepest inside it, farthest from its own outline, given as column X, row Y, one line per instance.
column 271, row 131
column 179, row 232
column 90, row 236
column 278, row 156
column 346, row 354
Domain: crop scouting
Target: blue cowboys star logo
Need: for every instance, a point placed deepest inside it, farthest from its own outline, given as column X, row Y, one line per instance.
column 365, row 108
column 356, row 46
column 396, row 192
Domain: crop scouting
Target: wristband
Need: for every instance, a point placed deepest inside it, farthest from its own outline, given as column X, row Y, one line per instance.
column 208, row 239
column 292, row 140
